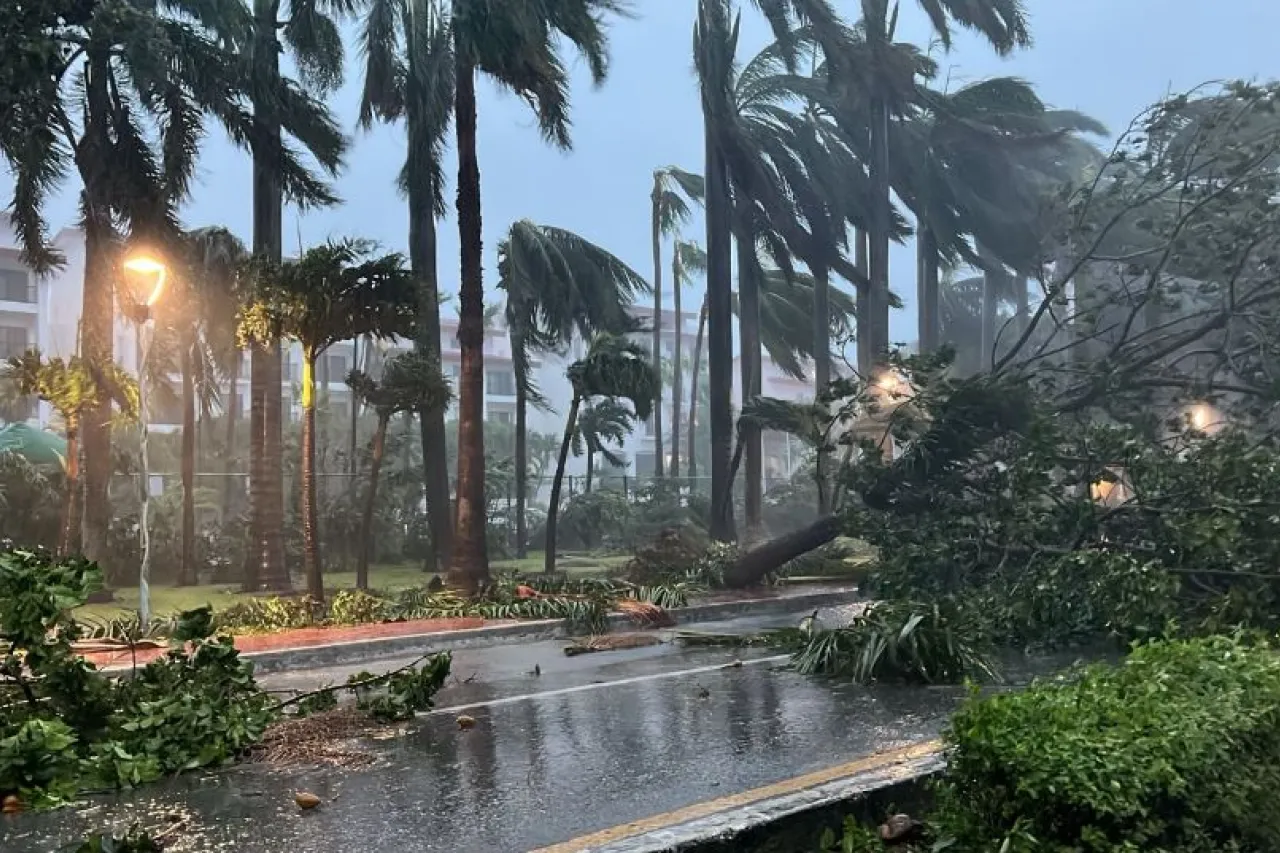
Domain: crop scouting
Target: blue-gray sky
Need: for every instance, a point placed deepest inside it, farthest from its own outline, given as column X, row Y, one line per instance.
column 1110, row 58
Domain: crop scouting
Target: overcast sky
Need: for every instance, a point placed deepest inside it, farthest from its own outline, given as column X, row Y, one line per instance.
column 1109, row 58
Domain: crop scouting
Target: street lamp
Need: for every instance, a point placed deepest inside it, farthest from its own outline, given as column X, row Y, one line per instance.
column 150, row 274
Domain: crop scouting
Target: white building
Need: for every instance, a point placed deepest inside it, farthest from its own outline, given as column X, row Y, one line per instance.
column 44, row 312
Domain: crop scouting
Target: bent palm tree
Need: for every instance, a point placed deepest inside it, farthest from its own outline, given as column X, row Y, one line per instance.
column 409, row 74
column 687, row 260
column 557, row 284
column 410, row 383
column 601, row 423
column 613, row 367
column 518, row 45
column 332, row 293
column 670, row 210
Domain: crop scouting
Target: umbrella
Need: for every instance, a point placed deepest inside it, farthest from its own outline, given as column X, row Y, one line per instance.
column 37, row 446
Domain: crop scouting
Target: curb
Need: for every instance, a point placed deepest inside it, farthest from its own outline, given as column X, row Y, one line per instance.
column 715, row 823
column 357, row 651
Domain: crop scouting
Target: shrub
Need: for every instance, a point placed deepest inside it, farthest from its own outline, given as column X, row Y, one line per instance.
column 355, row 607
column 1175, row 750
column 592, row 519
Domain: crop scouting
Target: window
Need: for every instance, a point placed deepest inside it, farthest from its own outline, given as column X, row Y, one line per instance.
column 13, row 341
column 334, row 368
column 502, row 416
column 501, row 383
column 17, row 286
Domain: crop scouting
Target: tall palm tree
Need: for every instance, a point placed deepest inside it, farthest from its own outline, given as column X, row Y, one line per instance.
column 409, row 75
column 518, row 45
column 332, row 293
column 410, row 383
column 72, row 387
column 283, row 112
column 557, row 284
column 601, row 423
column 673, row 188
column 687, row 260
column 85, row 89
column 1003, row 23
column 613, row 367
column 202, row 314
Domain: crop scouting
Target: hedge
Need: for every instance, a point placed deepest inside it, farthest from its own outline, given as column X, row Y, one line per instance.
column 1177, row 749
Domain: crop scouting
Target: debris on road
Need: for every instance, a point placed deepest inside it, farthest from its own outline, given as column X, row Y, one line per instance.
column 611, row 643
column 465, row 722
column 306, row 801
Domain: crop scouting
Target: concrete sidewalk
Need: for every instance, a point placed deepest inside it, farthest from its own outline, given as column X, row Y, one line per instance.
column 328, row 647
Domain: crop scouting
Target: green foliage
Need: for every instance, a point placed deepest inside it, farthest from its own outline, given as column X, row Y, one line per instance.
column 264, row 615
column 134, row 841
column 354, row 607
column 853, row 838
column 68, row 727
column 592, row 519
column 897, row 641
column 401, row 694
column 1177, row 749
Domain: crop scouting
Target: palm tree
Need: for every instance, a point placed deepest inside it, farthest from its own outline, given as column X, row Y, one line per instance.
column 87, row 90
column 409, row 74
column 672, row 188
column 980, row 163
column 601, row 423
column 557, row 284
column 687, row 260
column 518, row 45
column 410, row 383
column 72, row 387
column 1003, row 23
column 332, row 293
column 201, row 318
column 613, row 367
column 283, row 112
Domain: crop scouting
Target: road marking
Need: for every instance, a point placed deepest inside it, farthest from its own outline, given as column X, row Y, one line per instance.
column 583, row 688
column 880, row 761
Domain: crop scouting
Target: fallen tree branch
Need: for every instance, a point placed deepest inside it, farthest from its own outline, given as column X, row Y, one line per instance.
column 372, row 681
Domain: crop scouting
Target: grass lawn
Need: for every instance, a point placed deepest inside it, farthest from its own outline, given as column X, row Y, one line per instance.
column 167, row 599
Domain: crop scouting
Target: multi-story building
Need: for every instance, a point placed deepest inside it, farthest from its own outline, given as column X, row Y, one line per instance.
column 44, row 312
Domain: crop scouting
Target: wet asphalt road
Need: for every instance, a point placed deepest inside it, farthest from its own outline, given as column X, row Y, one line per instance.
column 553, row 757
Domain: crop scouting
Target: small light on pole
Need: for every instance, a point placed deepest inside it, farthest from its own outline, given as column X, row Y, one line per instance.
column 146, row 295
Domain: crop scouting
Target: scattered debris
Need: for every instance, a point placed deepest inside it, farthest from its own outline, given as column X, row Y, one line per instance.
column 611, row 643
column 536, row 671
column 329, row 738
column 645, row 613
column 306, row 801
column 12, row 805
column 900, row 828
column 465, row 722
column 703, row 693
column 735, row 664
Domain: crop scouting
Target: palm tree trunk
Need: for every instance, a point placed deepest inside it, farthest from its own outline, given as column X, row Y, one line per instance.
column 992, row 272
column 749, row 335
column 422, row 258
column 1022, row 308
column 927, row 287
column 656, row 227
column 255, row 554
column 268, row 239
column 233, row 414
column 187, row 571
column 470, row 566
column 720, row 340
column 366, row 519
column 876, row 329
column 354, row 429
column 693, row 395
column 591, row 469
column 69, row 536
column 310, row 512
column 677, row 372
column 97, row 316
column 553, row 509
column 822, row 371
column 522, row 447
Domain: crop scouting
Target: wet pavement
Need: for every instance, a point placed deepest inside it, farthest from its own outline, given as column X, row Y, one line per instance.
column 592, row 742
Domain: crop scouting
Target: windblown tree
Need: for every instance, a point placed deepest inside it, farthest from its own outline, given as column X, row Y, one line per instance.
column 613, row 368
column 558, row 285
column 409, row 76
column 518, row 45
column 72, row 387
column 116, row 93
column 673, row 188
column 332, row 293
column 687, row 261
column 285, row 115
column 410, row 383
column 601, row 423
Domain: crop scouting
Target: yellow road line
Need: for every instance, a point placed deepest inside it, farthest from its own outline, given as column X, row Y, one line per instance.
column 879, row 761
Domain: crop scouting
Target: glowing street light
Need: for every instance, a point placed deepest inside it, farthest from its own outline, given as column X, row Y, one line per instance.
column 1204, row 418
column 144, row 267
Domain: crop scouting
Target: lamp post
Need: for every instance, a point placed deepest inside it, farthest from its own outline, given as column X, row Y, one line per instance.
column 144, row 268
